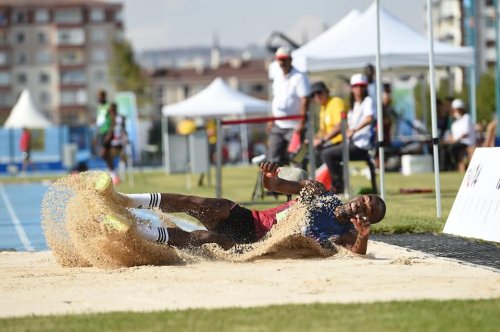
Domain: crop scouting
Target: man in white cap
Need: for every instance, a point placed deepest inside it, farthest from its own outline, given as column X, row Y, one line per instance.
column 462, row 136
column 291, row 90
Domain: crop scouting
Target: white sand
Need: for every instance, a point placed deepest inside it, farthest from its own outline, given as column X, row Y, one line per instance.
column 33, row 283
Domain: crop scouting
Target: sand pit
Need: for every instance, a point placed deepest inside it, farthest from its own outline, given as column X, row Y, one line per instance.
column 90, row 269
column 34, row 283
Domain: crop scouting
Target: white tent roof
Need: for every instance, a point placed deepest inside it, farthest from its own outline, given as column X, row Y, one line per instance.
column 323, row 43
column 354, row 45
column 25, row 114
column 217, row 99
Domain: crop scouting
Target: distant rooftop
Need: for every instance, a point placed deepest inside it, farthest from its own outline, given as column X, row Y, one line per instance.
column 62, row 3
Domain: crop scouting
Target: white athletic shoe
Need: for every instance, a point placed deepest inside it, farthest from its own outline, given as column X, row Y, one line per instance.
column 104, row 185
column 116, row 224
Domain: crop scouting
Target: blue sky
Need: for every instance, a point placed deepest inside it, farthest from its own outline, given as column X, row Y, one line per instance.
column 151, row 24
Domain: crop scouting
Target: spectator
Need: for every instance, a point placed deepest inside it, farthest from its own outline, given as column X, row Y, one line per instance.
column 491, row 133
column 442, row 118
column 461, row 137
column 25, row 147
column 359, row 120
column 372, row 85
column 291, row 91
column 119, row 139
column 330, row 113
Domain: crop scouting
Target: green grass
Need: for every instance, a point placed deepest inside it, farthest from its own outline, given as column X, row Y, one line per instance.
column 393, row 316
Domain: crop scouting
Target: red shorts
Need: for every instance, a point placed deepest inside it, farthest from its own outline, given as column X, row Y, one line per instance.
column 265, row 219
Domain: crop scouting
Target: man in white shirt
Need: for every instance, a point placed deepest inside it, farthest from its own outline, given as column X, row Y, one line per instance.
column 462, row 136
column 291, row 90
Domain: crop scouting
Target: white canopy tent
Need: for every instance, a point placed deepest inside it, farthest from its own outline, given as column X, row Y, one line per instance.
column 220, row 100
column 355, row 43
column 25, row 114
column 216, row 100
column 378, row 36
column 325, row 43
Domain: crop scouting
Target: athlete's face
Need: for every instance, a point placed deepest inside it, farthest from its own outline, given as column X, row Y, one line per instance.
column 370, row 205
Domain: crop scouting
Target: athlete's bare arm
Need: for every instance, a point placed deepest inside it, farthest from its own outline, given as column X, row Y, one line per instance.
column 357, row 241
column 272, row 182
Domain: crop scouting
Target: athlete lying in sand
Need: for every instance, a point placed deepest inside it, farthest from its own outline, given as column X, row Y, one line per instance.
column 227, row 223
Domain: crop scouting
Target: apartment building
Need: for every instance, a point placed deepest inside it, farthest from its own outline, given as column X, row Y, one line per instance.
column 450, row 26
column 59, row 51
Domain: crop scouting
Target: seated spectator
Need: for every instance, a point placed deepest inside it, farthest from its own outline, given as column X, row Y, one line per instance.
column 359, row 122
column 462, row 136
column 330, row 115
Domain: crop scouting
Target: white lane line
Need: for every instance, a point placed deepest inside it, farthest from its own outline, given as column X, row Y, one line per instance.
column 15, row 220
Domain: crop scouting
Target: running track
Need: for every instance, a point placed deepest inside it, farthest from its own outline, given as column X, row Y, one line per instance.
column 20, row 227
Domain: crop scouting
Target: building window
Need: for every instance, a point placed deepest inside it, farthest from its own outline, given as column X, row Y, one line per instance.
column 99, row 55
column 22, row 59
column 42, row 38
column 44, row 57
column 41, row 15
column 490, row 43
column 21, row 78
column 20, row 38
column 488, row 3
column 76, row 97
column 97, row 15
column 3, row 38
column 490, row 22
column 99, row 76
column 5, row 100
column 4, row 78
column 71, row 58
column 98, row 35
column 44, row 78
column 3, row 59
column 73, row 77
column 71, row 36
column 3, row 19
column 44, row 98
column 119, row 16
column 19, row 16
column 68, row 16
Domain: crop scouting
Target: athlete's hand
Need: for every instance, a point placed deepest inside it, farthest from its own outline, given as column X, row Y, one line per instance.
column 269, row 169
column 361, row 224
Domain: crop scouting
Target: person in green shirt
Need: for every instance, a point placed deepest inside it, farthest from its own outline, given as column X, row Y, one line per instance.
column 105, row 123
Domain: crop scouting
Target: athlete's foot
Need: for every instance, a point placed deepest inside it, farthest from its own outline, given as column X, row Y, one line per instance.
column 104, row 185
column 115, row 224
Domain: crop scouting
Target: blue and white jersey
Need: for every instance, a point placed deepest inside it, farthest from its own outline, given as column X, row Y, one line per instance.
column 322, row 224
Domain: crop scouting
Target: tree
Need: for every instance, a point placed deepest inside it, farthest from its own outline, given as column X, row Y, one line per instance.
column 126, row 74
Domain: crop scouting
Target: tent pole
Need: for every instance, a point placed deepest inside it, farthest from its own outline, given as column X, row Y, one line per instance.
column 218, row 170
column 380, row 121
column 244, row 142
column 435, row 139
column 310, row 134
column 11, row 145
column 497, row 70
column 472, row 94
